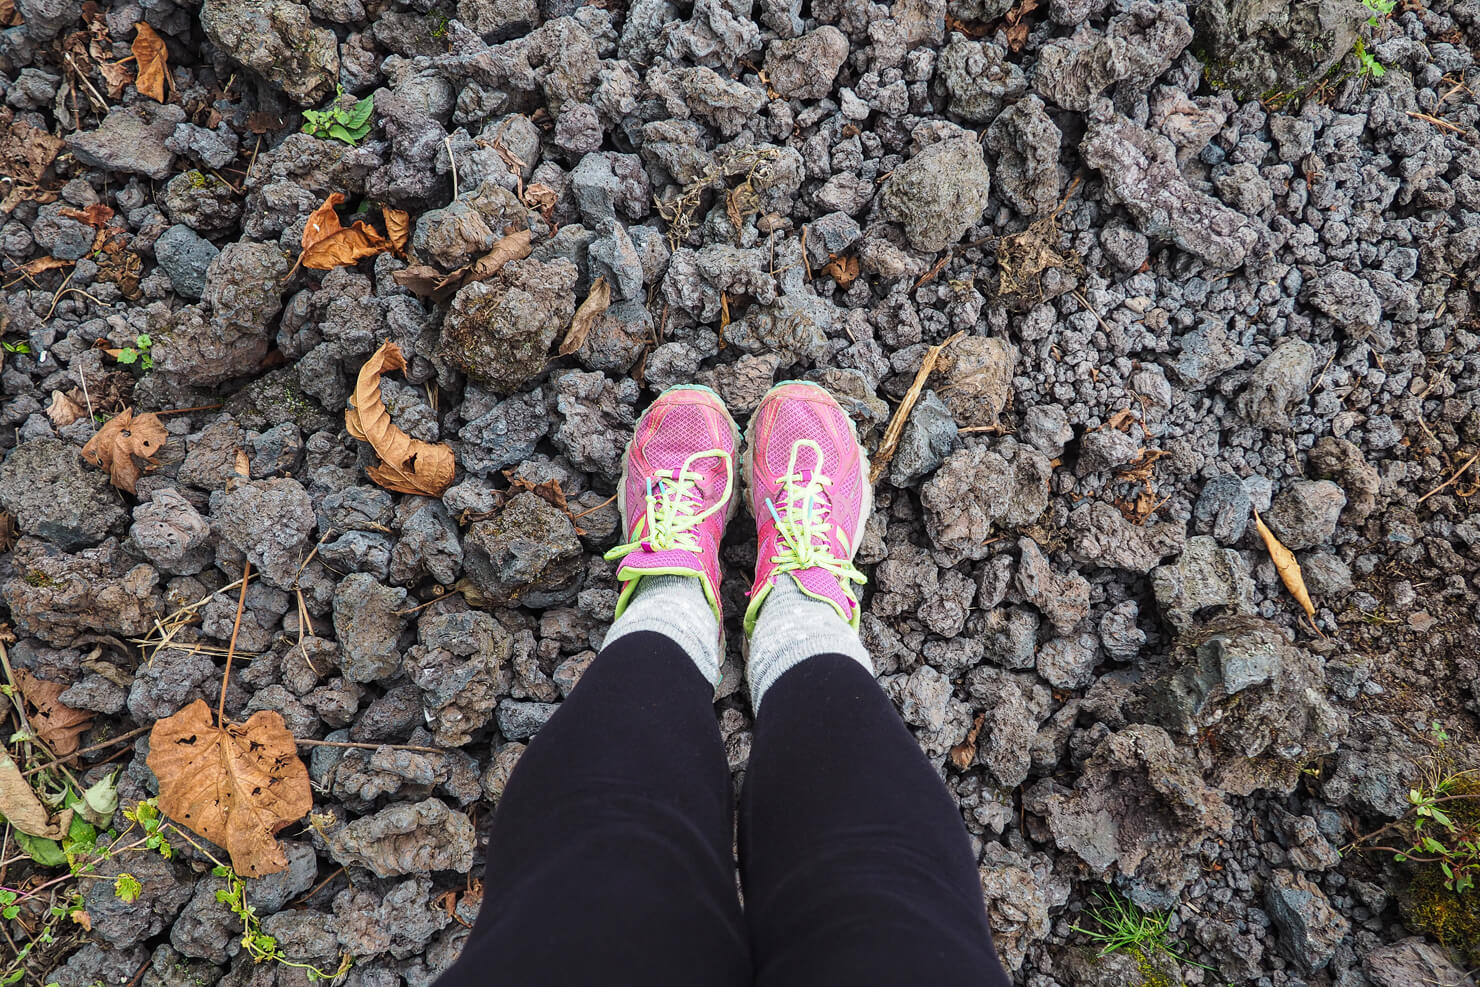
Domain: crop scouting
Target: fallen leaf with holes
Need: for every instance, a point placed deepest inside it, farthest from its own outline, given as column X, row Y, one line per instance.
column 120, row 444
column 597, row 301
column 428, row 282
column 58, row 725
column 22, row 809
column 327, row 244
column 237, row 785
column 63, row 410
column 407, row 465
column 1289, row 570
column 397, row 229
column 965, row 752
column 152, row 57
column 843, row 270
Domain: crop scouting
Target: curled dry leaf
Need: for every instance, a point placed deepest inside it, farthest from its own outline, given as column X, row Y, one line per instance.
column 407, row 465
column 119, row 446
column 843, row 270
column 41, row 265
column 397, row 229
column 538, row 195
column 327, row 244
column 63, row 410
column 152, row 57
column 597, row 301
column 238, row 785
column 58, row 725
column 428, row 282
column 1289, row 570
column 965, row 752
column 22, row 809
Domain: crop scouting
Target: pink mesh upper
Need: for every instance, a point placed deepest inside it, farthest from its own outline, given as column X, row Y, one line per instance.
column 791, row 412
column 683, row 421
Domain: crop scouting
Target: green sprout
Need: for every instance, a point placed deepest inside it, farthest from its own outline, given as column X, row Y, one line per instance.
column 1121, row 926
column 126, row 888
column 16, row 347
column 139, row 352
column 1367, row 63
column 335, row 122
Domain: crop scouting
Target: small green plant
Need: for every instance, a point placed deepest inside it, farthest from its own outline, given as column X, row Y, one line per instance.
column 1119, row 926
column 336, row 122
column 1449, row 840
column 139, row 352
column 1378, row 9
column 439, row 24
column 21, row 347
column 1367, row 63
column 259, row 945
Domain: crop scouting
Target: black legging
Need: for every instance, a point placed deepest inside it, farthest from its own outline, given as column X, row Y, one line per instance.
column 611, row 857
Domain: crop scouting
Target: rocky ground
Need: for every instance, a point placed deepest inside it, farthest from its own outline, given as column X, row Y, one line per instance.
column 1207, row 260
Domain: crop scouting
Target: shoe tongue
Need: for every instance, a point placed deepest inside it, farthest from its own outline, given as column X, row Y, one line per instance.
column 646, row 563
column 823, row 585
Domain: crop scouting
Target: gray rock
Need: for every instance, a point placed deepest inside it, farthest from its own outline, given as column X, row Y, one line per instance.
column 171, row 533
column 1011, row 636
column 399, row 922
column 1413, row 961
column 407, row 838
column 94, row 964
column 1068, row 662
column 938, row 194
column 1124, row 247
column 170, row 681
column 1106, row 449
column 528, row 554
column 45, row 18
column 61, row 236
column 520, row 721
column 1063, row 599
column 499, row 331
column 978, row 78
column 925, row 442
column 278, row 40
column 1120, row 637
column 1046, row 428
column 1141, row 174
column 1139, row 46
column 1285, row 45
column 1026, row 142
column 54, row 495
column 131, row 139
column 1105, row 538
column 454, row 235
column 978, row 373
column 212, row 148
column 203, row 202
column 1222, row 509
column 506, row 435
column 805, row 67
column 1022, row 891
column 367, row 627
column 1295, row 137
column 975, row 489
column 1310, row 927
column 126, row 924
column 456, row 665
column 269, row 522
column 359, row 551
column 613, row 256
column 1305, row 514
column 499, row 20
column 1325, row 575
column 1346, row 297
column 272, row 892
column 1207, row 352
column 205, row 928
column 1340, row 460
column 1280, row 381
column 605, row 183
column 428, row 545
column 1203, row 576
column 185, row 256
column 596, row 418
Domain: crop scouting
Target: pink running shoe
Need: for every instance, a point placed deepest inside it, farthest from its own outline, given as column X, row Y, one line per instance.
column 810, row 493
column 677, row 491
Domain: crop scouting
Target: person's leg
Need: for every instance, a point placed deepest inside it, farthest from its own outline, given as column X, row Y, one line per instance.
column 610, row 859
column 855, row 863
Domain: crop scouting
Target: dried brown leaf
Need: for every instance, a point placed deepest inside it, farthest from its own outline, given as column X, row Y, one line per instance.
column 549, row 491
column 8, row 15
column 63, row 410
column 965, row 752
column 407, row 465
column 22, row 809
column 152, row 57
column 1289, row 570
column 58, row 725
column 902, row 413
column 1017, row 24
column 10, row 532
column 237, row 785
column 122, row 442
column 327, row 244
column 95, row 215
column 597, row 301
column 26, row 151
column 397, row 228
column 428, row 282
column 262, row 122
column 843, row 270
column 116, row 77
column 538, row 195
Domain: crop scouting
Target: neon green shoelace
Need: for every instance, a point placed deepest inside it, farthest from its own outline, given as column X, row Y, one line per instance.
column 802, row 534
column 675, row 510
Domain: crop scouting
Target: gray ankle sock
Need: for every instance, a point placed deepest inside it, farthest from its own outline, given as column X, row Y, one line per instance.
column 675, row 607
column 793, row 627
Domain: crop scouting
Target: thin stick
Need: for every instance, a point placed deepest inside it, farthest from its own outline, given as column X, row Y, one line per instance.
column 91, row 420
column 577, row 517
column 139, row 973
column 241, row 604
column 90, row 748
column 423, row 606
column 806, row 264
column 902, row 413
column 1468, row 463
column 181, row 411
column 57, row 297
column 317, row 887
column 368, row 746
column 1442, row 124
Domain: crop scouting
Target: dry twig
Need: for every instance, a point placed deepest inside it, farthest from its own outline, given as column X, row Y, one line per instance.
column 902, row 413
